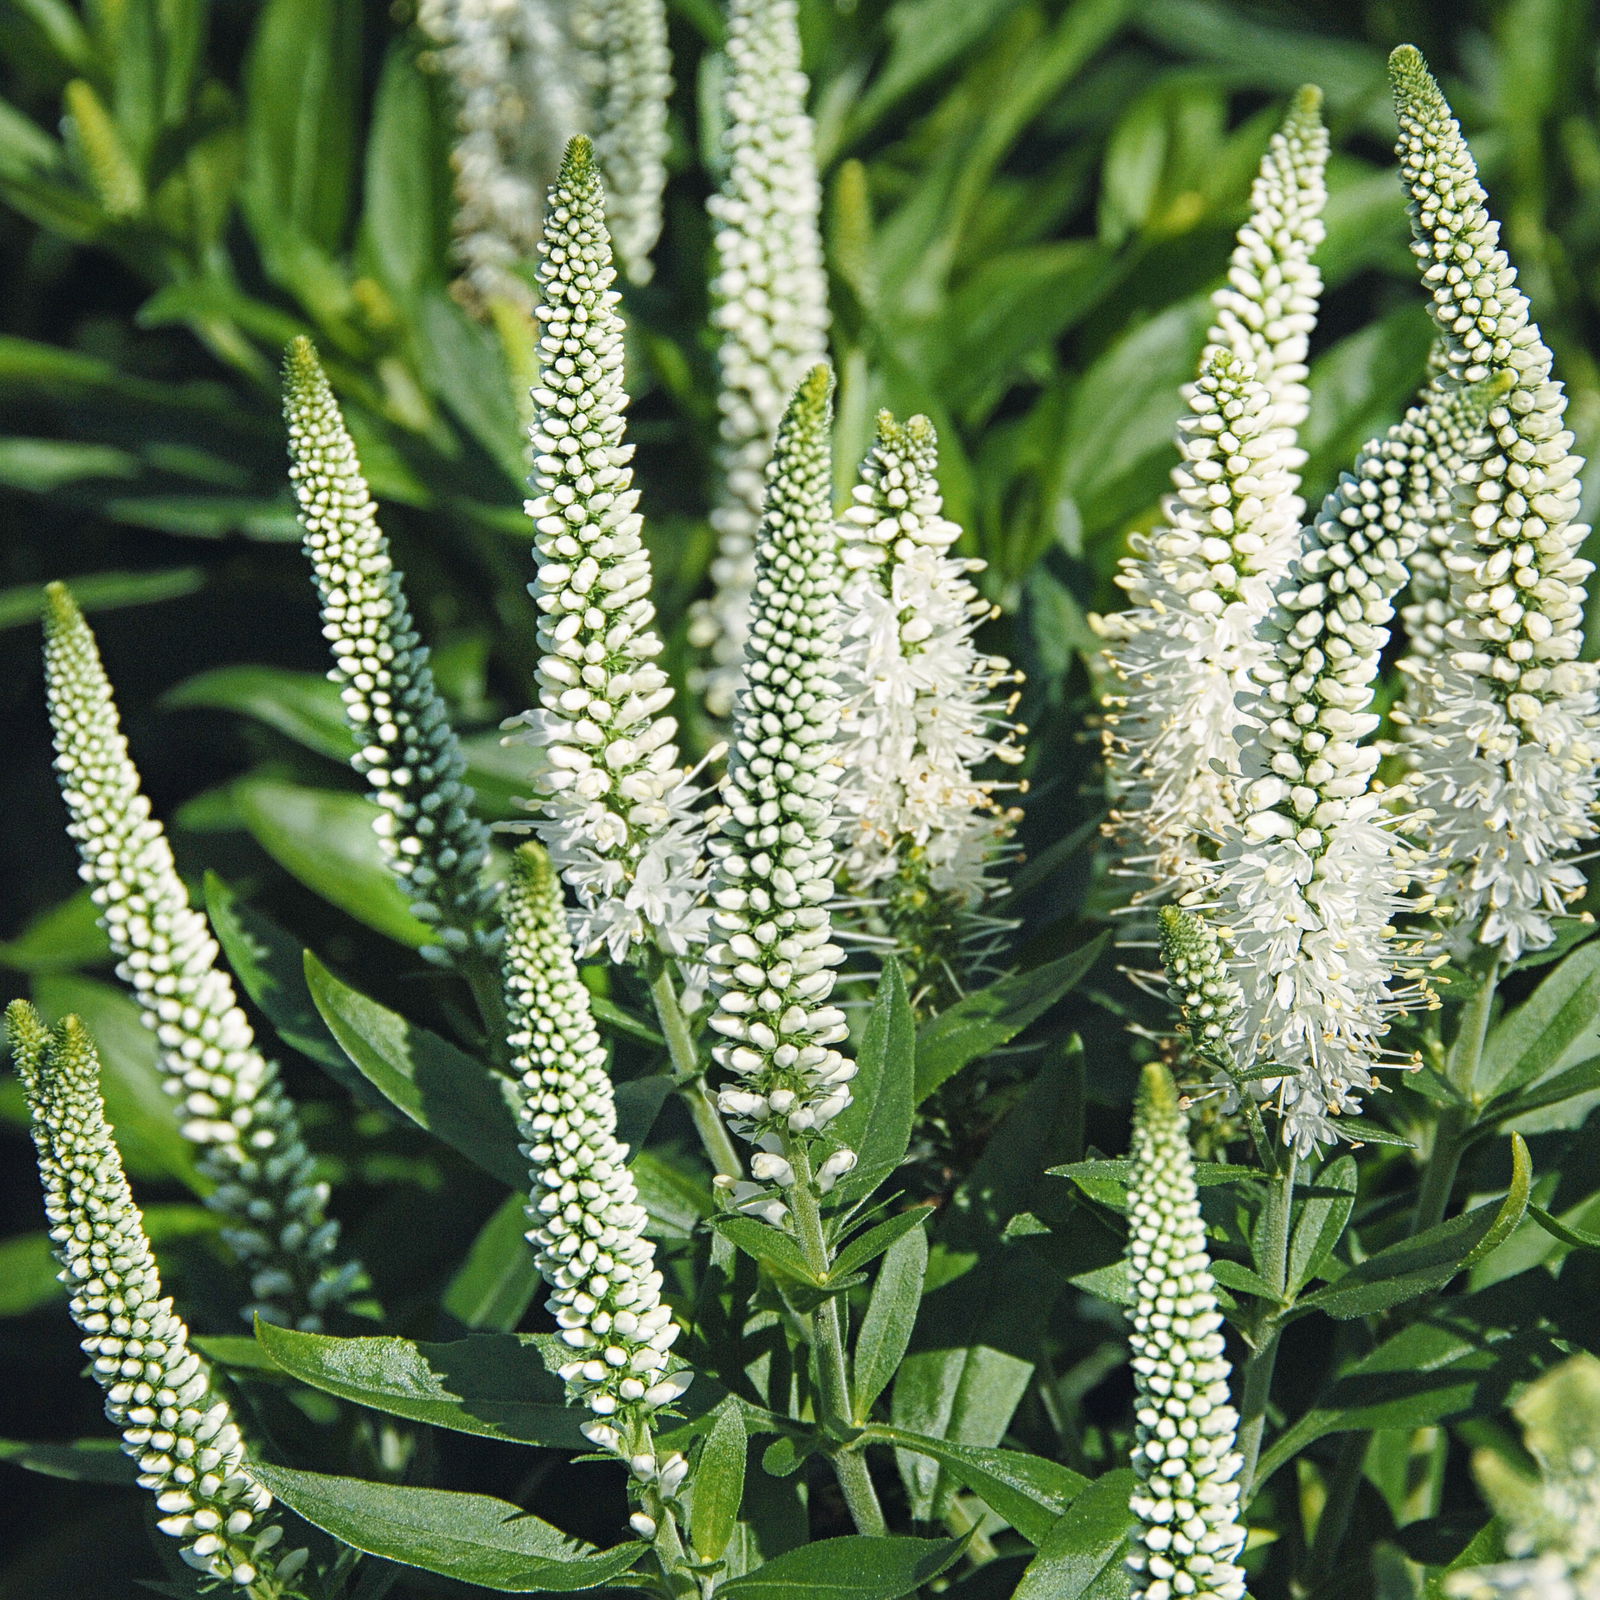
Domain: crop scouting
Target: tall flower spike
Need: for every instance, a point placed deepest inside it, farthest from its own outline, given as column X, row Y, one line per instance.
column 1203, row 989
column 1184, row 1457
column 923, row 834
column 514, row 74
column 618, row 812
column 588, row 1225
column 233, row 1105
column 1310, row 881
column 773, row 967
column 406, row 748
column 179, row 1432
column 625, row 55
column 1183, row 653
column 1506, row 750
column 770, row 303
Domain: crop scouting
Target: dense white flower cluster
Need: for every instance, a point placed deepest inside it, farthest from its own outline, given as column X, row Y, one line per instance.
column 618, row 813
column 1309, row 883
column 770, row 302
column 772, row 967
column 588, row 1225
column 233, row 1105
column 623, row 49
column 1183, row 653
column 178, row 1431
column 1506, row 746
column 1202, row 986
column 1184, row 1456
column 515, row 77
column 921, row 831
column 406, row 748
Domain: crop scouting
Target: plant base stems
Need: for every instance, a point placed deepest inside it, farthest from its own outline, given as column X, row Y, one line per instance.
column 714, row 1136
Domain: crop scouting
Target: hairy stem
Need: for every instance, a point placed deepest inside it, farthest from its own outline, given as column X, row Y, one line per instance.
column 714, row 1136
column 1257, row 1388
column 1455, row 1122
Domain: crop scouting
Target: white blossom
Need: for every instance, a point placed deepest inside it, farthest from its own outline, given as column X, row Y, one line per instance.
column 231, row 1102
column 178, row 1430
column 769, row 302
column 406, row 748
column 921, row 830
column 617, row 810
column 1506, row 746
column 1185, row 1458
column 772, row 967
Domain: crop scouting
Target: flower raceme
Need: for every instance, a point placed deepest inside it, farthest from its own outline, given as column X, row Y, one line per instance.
column 617, row 812
column 233, row 1105
column 406, row 748
column 179, row 1432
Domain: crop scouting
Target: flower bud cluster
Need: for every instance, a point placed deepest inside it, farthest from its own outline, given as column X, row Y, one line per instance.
column 588, row 1225
column 1203, row 988
column 178, row 1431
column 1187, row 1498
column 406, row 748
column 769, row 298
column 233, row 1105
column 618, row 813
column 920, row 715
column 1506, row 746
column 772, row 967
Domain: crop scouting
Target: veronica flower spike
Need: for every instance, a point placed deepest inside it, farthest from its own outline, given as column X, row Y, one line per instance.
column 231, row 1102
column 179, row 1432
column 617, row 811
column 1507, row 751
column 769, row 302
column 588, row 1226
column 1185, row 1454
column 406, row 748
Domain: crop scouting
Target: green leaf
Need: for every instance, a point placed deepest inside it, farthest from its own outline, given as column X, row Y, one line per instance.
column 718, row 1483
column 102, row 591
column 1557, row 1229
column 1579, row 1080
column 1106, row 1181
column 469, row 1537
column 984, row 1021
column 870, row 1245
column 775, row 1250
column 857, row 1567
column 1512, row 1207
column 677, row 1201
column 495, row 1385
column 1324, row 1205
column 497, row 1282
column 82, row 1461
column 324, row 838
column 1532, row 1040
column 1084, row 1555
column 303, row 706
column 1231, row 1275
column 878, row 1121
column 437, row 1086
column 1030, row 1492
column 890, row 1316
column 60, row 938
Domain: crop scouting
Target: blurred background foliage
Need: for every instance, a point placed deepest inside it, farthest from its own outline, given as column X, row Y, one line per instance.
column 1027, row 202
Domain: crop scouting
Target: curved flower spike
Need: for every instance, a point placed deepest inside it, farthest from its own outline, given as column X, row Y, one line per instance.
column 618, row 811
column 406, row 748
column 232, row 1103
column 1186, row 1429
column 178, row 1430
column 770, row 303
column 772, row 969
column 1507, row 748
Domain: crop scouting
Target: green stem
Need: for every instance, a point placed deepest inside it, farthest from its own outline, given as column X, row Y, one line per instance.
column 714, row 1135
column 1455, row 1122
column 827, row 1326
column 1341, row 1501
column 485, row 980
column 1257, row 1387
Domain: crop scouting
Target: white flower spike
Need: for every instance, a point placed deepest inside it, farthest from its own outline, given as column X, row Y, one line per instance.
column 770, row 302
column 231, row 1102
column 406, row 748
column 1184, row 1455
column 1507, row 751
column 922, row 833
column 618, row 815
column 179, row 1432
column 772, row 969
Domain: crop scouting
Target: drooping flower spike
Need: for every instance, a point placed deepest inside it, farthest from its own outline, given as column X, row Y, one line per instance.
column 924, row 714
column 617, row 810
column 231, row 1101
column 406, row 748
column 179, row 1432
column 772, row 967
column 770, row 303
column 588, row 1225
column 1185, row 1458
column 1506, row 747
